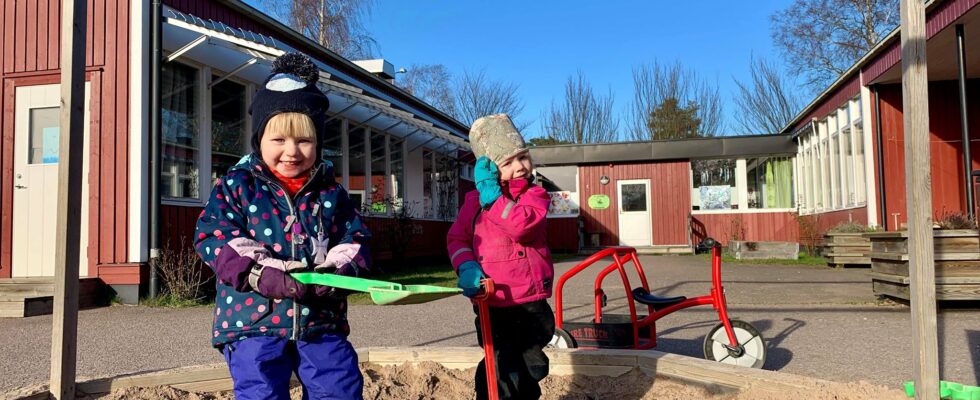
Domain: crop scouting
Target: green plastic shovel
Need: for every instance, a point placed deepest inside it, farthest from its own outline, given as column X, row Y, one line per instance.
column 382, row 292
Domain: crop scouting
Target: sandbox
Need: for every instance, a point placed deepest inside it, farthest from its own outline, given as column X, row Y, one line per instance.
column 447, row 373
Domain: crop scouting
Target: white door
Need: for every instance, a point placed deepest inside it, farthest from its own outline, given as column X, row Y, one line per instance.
column 635, row 224
column 36, row 140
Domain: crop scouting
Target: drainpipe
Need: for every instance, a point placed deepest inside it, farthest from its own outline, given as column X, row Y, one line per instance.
column 155, row 134
column 964, row 123
column 881, row 161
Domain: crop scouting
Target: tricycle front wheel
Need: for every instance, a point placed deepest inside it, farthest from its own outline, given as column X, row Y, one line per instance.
column 751, row 349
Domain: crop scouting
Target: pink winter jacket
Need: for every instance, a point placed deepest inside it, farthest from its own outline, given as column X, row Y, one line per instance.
column 510, row 242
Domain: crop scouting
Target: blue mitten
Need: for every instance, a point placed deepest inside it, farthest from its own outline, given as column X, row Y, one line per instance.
column 470, row 275
column 487, row 178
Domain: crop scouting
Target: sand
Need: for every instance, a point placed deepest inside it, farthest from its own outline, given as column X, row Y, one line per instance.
column 430, row 380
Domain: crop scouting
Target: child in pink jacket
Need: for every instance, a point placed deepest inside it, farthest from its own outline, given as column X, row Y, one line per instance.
column 501, row 234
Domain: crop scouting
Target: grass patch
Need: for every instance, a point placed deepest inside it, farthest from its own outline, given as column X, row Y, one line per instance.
column 805, row 259
column 438, row 274
column 171, row 301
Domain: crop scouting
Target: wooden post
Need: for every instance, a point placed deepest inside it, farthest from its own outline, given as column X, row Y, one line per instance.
column 65, row 322
column 915, row 107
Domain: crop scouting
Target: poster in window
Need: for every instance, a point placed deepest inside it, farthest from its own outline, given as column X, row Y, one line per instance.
column 716, row 197
column 563, row 204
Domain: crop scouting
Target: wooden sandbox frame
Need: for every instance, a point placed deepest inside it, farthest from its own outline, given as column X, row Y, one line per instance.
column 601, row 362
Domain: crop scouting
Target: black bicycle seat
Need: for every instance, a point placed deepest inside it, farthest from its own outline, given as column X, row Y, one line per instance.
column 643, row 296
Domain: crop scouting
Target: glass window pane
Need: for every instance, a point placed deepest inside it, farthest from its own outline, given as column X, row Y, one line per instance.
column 397, row 177
column 378, row 170
column 228, row 142
column 447, row 185
column 859, row 164
column 356, row 157
column 770, row 182
column 713, row 184
column 634, row 197
column 179, row 124
column 44, row 140
column 847, row 171
column 333, row 147
column 428, row 179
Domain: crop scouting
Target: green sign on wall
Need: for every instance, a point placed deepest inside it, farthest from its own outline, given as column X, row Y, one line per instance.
column 599, row 202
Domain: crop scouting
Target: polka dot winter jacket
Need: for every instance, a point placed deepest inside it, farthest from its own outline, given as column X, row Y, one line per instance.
column 250, row 222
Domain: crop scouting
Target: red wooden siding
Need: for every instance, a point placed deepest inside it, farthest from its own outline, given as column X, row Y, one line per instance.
column 670, row 199
column 826, row 221
column 30, row 45
column 774, row 226
column 563, row 234
column 948, row 193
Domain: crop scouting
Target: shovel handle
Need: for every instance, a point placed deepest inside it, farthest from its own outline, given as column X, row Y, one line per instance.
column 489, row 361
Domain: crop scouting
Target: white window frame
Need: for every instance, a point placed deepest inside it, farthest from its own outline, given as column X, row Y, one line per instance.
column 820, row 163
column 742, row 190
column 204, row 76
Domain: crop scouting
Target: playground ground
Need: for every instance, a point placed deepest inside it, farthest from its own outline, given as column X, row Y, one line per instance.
column 818, row 321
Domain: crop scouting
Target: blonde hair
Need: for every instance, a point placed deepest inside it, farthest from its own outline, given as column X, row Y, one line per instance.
column 291, row 125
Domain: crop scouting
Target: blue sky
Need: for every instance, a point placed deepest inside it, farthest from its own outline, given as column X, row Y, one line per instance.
column 539, row 44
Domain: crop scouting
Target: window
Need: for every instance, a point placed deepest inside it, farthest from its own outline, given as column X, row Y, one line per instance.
column 561, row 183
column 428, row 180
column 357, row 167
column 379, row 170
column 396, row 179
column 847, row 160
column 857, row 140
column 447, row 185
column 833, row 164
column 333, row 147
column 228, row 136
column 770, row 182
column 45, row 140
column 179, row 122
column 713, row 185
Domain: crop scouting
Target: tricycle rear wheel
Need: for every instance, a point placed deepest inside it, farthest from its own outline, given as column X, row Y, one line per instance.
column 751, row 350
column 561, row 340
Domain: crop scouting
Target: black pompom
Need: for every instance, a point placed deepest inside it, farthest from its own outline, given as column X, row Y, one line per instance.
column 298, row 65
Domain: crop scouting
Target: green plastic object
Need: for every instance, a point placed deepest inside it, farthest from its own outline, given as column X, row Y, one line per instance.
column 949, row 391
column 382, row 292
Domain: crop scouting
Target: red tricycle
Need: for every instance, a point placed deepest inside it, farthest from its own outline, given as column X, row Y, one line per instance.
column 731, row 341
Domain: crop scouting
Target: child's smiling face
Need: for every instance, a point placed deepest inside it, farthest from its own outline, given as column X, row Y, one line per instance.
column 288, row 144
column 518, row 166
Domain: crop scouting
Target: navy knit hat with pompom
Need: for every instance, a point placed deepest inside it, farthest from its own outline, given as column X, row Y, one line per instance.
column 290, row 88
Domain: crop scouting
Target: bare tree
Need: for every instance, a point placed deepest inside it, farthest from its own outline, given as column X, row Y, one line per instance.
column 822, row 38
column 478, row 96
column 583, row 116
column 431, row 83
column 765, row 104
column 655, row 84
column 335, row 24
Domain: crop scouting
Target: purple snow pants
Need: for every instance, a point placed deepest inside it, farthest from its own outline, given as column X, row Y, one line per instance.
column 326, row 366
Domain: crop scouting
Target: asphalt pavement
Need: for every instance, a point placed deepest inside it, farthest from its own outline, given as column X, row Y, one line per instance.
column 818, row 321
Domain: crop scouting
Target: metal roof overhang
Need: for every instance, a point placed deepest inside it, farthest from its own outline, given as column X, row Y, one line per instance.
column 702, row 148
column 248, row 56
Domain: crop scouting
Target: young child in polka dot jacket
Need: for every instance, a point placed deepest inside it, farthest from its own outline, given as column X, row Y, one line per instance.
column 280, row 210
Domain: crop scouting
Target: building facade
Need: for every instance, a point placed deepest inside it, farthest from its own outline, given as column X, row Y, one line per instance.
column 398, row 156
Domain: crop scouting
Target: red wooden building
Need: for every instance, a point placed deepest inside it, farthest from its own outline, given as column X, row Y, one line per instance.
column 665, row 196
column 850, row 139
column 390, row 145
column 845, row 162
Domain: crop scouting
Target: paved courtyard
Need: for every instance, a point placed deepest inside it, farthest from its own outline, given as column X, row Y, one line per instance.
column 818, row 322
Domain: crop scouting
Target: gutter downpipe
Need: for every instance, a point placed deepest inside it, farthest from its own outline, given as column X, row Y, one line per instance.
column 964, row 120
column 155, row 134
column 881, row 160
